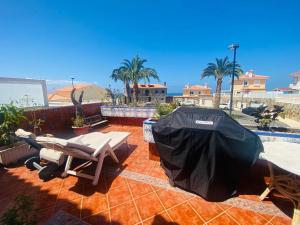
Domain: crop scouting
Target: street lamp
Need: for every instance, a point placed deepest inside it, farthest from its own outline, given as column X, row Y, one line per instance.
column 232, row 47
column 72, row 78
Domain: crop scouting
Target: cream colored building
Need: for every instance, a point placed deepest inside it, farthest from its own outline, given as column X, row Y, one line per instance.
column 196, row 90
column 151, row 93
column 250, row 82
column 194, row 95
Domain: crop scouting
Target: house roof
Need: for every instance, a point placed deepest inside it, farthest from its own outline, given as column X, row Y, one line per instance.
column 141, row 86
column 91, row 92
column 197, row 87
column 282, row 89
column 251, row 75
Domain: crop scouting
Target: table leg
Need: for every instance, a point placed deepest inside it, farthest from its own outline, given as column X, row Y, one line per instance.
column 271, row 185
column 266, row 192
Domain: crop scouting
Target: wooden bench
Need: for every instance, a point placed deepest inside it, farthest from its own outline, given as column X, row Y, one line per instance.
column 94, row 120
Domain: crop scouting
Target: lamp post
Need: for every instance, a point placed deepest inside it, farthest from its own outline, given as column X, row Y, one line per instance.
column 232, row 47
column 72, row 78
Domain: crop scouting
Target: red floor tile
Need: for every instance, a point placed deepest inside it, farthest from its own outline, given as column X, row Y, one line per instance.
column 149, row 205
column 118, row 196
column 246, row 217
column 125, row 214
column 97, row 219
column 222, row 219
column 70, row 181
column 281, row 221
column 45, row 199
column 184, row 214
column 207, row 210
column 138, row 188
column 93, row 204
column 68, row 195
column 113, row 181
column 44, row 215
column 169, row 198
column 72, row 193
column 160, row 219
column 73, row 207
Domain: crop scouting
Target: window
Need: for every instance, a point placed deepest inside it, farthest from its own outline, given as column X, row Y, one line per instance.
column 162, row 91
column 245, row 83
column 256, row 82
column 156, row 91
column 191, row 92
column 147, row 92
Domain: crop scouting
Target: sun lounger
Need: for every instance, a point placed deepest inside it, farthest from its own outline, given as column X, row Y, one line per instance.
column 94, row 146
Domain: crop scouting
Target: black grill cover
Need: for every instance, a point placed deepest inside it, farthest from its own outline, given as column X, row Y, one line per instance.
column 205, row 151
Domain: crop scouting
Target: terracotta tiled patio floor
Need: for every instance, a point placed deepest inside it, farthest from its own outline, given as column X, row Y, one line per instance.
column 136, row 191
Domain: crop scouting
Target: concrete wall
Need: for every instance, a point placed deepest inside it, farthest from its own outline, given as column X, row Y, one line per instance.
column 292, row 111
column 59, row 118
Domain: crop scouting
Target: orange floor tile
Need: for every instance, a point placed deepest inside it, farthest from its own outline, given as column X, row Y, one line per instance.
column 136, row 191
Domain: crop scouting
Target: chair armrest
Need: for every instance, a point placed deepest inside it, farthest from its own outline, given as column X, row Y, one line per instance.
column 101, row 147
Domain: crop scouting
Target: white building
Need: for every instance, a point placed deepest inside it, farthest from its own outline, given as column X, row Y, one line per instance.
column 23, row 92
column 296, row 81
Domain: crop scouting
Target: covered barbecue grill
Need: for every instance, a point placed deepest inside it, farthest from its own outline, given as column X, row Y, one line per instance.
column 205, row 151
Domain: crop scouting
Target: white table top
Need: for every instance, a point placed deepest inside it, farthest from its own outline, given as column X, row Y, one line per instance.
column 285, row 155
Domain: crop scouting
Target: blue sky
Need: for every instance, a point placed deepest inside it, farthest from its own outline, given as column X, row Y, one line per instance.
column 56, row 40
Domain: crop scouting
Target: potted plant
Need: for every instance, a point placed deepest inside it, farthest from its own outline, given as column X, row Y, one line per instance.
column 161, row 110
column 36, row 122
column 12, row 150
column 264, row 117
column 79, row 127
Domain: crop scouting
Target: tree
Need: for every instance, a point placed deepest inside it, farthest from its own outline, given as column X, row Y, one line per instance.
column 220, row 69
column 122, row 74
column 133, row 71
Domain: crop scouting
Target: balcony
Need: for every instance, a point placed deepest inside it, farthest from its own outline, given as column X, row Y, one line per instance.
column 137, row 191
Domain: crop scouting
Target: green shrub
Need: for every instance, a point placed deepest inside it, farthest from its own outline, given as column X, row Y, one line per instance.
column 164, row 109
column 12, row 117
column 78, row 121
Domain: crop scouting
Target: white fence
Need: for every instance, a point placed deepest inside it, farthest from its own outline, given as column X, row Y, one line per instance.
column 278, row 97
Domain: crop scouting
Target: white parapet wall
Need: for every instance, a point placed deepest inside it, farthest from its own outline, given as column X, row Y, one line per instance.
column 23, row 92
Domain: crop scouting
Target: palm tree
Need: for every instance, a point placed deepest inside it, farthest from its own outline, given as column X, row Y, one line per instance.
column 220, row 69
column 135, row 71
column 122, row 75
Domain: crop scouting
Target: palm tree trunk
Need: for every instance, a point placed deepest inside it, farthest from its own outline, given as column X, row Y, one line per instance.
column 135, row 90
column 127, row 89
column 218, row 94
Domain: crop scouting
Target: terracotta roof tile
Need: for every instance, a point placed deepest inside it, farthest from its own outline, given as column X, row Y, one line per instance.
column 197, row 87
column 150, row 86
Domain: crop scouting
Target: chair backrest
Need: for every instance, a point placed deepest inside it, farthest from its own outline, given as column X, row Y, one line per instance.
column 59, row 144
column 73, row 148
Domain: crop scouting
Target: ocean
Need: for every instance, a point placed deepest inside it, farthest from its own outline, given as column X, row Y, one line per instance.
column 174, row 94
